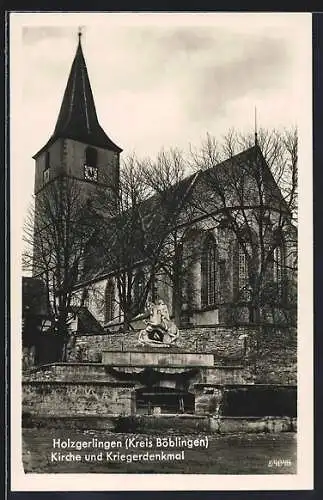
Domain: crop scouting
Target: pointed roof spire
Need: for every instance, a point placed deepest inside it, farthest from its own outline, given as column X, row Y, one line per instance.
column 77, row 117
column 79, row 34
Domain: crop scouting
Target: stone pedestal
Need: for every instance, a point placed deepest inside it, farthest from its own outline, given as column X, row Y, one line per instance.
column 136, row 358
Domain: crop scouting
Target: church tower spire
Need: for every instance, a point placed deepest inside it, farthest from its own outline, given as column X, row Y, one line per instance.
column 77, row 118
column 78, row 147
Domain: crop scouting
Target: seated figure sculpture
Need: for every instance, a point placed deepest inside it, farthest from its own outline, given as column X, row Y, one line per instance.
column 160, row 330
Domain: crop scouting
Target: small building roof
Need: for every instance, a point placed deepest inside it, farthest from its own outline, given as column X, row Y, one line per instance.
column 87, row 324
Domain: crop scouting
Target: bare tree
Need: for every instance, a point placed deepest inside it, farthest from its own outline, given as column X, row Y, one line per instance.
column 280, row 150
column 138, row 229
column 254, row 194
column 166, row 178
column 59, row 233
column 156, row 203
column 122, row 240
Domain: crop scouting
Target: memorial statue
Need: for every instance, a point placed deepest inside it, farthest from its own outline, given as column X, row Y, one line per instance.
column 160, row 330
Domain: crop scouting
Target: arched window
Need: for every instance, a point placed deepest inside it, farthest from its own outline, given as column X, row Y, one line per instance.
column 243, row 269
column 244, row 253
column 139, row 286
column 278, row 264
column 46, row 170
column 91, row 157
column 279, row 261
column 109, row 301
column 209, row 273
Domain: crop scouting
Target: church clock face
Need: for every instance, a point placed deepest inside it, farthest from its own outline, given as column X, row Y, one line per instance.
column 90, row 173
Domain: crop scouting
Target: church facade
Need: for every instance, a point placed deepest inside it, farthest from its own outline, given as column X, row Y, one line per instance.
column 229, row 253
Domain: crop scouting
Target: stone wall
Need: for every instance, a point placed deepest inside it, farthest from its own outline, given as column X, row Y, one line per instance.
column 54, row 398
column 28, row 357
column 224, row 342
column 227, row 375
column 96, row 372
column 275, row 357
column 268, row 353
column 70, row 372
column 208, row 400
column 242, row 356
column 95, row 390
column 171, row 424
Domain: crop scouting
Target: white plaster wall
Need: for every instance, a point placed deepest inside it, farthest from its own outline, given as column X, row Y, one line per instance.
column 95, row 301
column 74, row 152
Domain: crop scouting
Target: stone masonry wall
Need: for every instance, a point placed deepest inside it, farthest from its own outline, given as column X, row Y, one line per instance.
column 275, row 357
column 224, row 342
column 96, row 372
column 61, row 399
column 263, row 355
column 269, row 353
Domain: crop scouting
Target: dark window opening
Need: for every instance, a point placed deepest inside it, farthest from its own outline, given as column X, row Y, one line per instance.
column 150, row 400
column 91, row 157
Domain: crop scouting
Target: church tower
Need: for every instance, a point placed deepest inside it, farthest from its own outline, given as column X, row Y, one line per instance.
column 78, row 148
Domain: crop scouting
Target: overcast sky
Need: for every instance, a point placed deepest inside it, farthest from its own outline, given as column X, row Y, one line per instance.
column 158, row 80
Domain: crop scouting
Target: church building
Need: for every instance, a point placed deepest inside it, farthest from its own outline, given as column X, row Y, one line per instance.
column 229, row 247
column 215, row 253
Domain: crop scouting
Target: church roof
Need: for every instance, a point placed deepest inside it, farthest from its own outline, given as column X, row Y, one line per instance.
column 158, row 214
column 77, row 117
column 161, row 212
